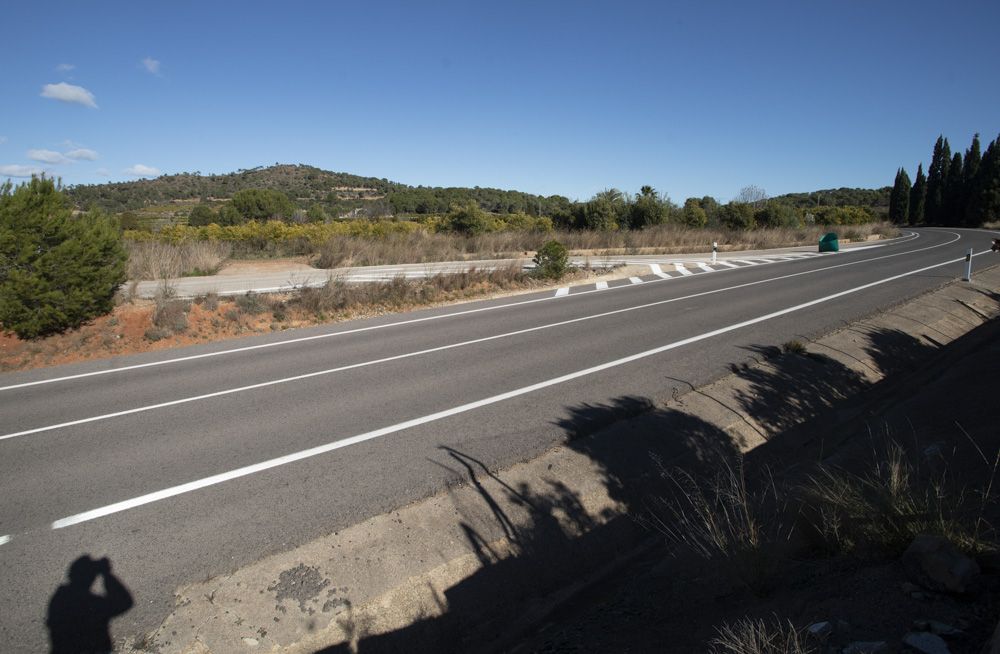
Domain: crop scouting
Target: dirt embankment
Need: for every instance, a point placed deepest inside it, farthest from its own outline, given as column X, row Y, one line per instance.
column 549, row 555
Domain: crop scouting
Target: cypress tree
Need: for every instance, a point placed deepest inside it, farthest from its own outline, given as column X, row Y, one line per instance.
column 984, row 197
column 899, row 198
column 57, row 270
column 953, row 212
column 973, row 159
column 918, row 196
column 937, row 176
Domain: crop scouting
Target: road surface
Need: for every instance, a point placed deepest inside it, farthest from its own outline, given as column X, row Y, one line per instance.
column 186, row 464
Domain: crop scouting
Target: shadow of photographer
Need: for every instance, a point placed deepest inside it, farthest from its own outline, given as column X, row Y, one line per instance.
column 78, row 618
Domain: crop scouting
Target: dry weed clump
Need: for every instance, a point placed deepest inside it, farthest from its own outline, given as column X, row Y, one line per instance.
column 158, row 260
column 747, row 636
column 881, row 511
column 724, row 519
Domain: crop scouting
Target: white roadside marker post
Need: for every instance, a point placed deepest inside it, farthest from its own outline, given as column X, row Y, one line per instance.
column 715, row 250
column 968, row 266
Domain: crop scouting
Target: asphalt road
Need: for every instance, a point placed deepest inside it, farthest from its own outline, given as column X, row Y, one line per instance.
column 178, row 470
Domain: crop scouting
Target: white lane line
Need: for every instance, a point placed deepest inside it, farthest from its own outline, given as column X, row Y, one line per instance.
column 705, row 267
column 397, row 357
column 4, row 540
column 635, row 280
column 726, row 264
column 562, row 291
column 440, row 415
column 601, row 286
column 682, row 270
column 655, row 268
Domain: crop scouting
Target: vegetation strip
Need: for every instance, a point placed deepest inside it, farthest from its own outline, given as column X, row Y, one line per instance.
column 464, row 408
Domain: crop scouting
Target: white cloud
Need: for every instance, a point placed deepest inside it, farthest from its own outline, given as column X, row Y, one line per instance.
column 152, row 65
column 140, row 170
column 47, row 156
column 103, row 172
column 82, row 153
column 20, row 171
column 65, row 68
column 69, row 93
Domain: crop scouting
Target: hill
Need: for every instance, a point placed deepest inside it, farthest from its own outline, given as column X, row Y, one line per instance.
column 338, row 193
column 840, row 197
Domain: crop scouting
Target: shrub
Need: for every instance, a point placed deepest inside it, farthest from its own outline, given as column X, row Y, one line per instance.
column 468, row 219
column 551, row 260
column 171, row 315
column 737, row 215
column 201, row 215
column 748, row 636
column 251, row 303
column 57, row 270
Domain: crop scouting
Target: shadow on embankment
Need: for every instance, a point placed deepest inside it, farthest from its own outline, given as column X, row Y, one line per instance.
column 631, row 440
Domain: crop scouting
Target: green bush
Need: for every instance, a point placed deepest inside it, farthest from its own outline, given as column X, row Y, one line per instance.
column 468, row 219
column 57, row 270
column 551, row 260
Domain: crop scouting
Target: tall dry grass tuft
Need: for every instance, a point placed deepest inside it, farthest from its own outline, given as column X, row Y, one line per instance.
column 724, row 519
column 157, row 260
column 881, row 511
column 747, row 636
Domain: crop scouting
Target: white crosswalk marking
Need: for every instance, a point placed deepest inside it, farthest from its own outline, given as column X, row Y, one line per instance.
column 601, row 286
column 562, row 291
column 655, row 267
column 635, row 280
column 682, row 270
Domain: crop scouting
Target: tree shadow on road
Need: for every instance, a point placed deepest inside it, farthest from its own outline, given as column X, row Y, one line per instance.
column 79, row 619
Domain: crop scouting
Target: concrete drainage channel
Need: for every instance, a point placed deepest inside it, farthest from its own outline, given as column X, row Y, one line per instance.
column 475, row 566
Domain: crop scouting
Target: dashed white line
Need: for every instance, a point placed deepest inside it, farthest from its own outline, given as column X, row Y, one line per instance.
column 655, row 268
column 601, row 286
column 562, row 291
column 635, row 280
column 682, row 270
column 181, row 489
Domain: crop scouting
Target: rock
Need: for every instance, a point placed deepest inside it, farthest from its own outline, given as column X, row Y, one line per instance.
column 866, row 647
column 926, row 643
column 251, row 642
column 935, row 564
column 935, row 627
column 820, row 630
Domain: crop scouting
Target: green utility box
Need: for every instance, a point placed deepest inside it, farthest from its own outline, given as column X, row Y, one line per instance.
column 829, row 243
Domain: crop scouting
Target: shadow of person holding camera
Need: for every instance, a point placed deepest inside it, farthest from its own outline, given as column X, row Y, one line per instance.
column 78, row 618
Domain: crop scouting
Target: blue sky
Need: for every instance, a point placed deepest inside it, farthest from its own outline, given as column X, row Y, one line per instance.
column 698, row 98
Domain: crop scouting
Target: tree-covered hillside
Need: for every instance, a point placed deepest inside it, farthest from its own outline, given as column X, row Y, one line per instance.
column 306, row 187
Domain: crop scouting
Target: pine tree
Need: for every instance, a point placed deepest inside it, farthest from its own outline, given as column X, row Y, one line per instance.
column 984, row 196
column 973, row 159
column 918, row 196
column 937, row 176
column 899, row 198
column 56, row 270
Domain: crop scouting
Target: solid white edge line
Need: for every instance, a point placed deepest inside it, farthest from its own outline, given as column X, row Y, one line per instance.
column 284, row 380
column 415, row 422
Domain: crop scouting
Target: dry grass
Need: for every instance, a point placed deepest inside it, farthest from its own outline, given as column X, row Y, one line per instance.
column 881, row 511
column 156, row 260
column 338, row 297
column 723, row 519
column 748, row 636
column 421, row 247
